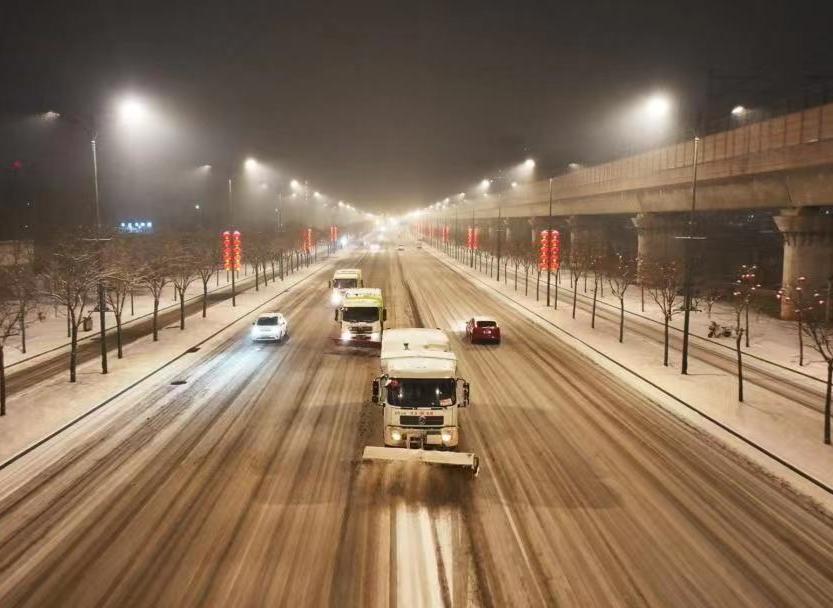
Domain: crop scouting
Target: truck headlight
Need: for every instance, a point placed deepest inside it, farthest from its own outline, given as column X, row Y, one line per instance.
column 335, row 298
column 396, row 435
column 446, row 435
column 345, row 335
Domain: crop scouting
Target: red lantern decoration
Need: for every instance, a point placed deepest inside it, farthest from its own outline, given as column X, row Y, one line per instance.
column 237, row 249
column 549, row 253
column 333, row 234
column 226, row 240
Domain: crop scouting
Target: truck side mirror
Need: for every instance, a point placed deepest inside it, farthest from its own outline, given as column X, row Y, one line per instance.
column 329, row 283
column 374, row 393
column 466, row 394
column 337, row 311
column 384, row 314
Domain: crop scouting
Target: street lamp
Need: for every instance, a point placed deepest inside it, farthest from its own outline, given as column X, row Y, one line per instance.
column 132, row 112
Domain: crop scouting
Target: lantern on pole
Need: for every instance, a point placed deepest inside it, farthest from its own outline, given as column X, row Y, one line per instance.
column 469, row 238
column 237, row 249
column 226, row 243
column 549, row 252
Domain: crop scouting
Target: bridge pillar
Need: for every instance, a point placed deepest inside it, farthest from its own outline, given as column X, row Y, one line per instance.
column 808, row 249
column 588, row 235
column 658, row 237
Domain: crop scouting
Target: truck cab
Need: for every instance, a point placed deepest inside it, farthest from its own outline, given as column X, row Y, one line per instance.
column 344, row 279
column 420, row 393
column 361, row 316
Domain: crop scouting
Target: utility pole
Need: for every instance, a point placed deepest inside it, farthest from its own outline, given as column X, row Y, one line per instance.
column 102, row 329
column 688, row 261
column 499, row 228
column 549, row 236
column 233, row 258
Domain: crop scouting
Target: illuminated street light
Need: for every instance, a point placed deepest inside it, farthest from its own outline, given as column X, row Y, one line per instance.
column 485, row 184
column 529, row 163
column 316, row 194
column 50, row 115
column 738, row 111
column 250, row 164
column 132, row 111
column 658, row 106
column 514, row 184
column 295, row 184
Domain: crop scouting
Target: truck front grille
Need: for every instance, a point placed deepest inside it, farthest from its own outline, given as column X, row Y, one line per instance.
column 421, row 420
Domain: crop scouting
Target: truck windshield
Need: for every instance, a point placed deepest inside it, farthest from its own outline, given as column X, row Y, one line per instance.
column 427, row 392
column 345, row 283
column 367, row 314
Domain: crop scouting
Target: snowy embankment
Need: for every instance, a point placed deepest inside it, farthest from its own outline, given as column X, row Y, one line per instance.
column 782, row 436
column 41, row 410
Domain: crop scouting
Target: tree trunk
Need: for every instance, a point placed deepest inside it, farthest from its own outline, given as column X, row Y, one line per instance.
column 665, row 345
column 155, row 319
column 826, row 401
column 516, row 277
column 257, row 276
column 526, row 281
column 119, row 354
column 537, row 284
column 575, row 295
column 3, row 383
column 740, row 366
column 204, row 297
column 800, row 342
column 555, row 292
column 621, row 318
column 131, row 302
column 73, row 350
column 746, row 330
column 181, row 308
column 23, row 328
column 595, row 294
column 642, row 293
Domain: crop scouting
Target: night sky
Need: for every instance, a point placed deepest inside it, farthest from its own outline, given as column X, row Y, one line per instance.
column 386, row 104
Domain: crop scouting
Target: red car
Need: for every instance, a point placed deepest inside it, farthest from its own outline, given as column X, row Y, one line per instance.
column 482, row 329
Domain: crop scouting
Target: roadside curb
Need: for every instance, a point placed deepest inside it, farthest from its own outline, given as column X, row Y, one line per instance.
column 552, row 327
column 27, row 450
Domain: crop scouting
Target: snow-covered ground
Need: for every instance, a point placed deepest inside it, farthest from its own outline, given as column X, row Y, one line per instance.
column 788, row 430
column 47, row 326
column 34, row 413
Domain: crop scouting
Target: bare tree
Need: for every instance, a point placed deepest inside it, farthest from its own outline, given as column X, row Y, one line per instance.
column 597, row 266
column 71, row 279
column 579, row 265
column 711, row 296
column 663, row 280
column 121, row 275
column 12, row 318
column 207, row 254
column 794, row 294
column 818, row 327
column 743, row 290
column 621, row 272
column 20, row 279
column 183, row 270
column 155, row 275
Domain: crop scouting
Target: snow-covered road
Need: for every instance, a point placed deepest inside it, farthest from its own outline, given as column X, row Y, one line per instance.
column 244, row 487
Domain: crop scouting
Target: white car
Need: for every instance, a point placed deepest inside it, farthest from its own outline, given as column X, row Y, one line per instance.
column 270, row 326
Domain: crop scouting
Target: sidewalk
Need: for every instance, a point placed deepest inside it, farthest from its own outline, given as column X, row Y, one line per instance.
column 51, row 333
column 35, row 413
column 790, row 432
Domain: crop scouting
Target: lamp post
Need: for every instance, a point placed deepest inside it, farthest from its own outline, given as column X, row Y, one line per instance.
column 549, row 236
column 130, row 110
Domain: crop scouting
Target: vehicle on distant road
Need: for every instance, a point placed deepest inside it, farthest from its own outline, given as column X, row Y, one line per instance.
column 482, row 329
column 270, row 326
column 401, row 248
column 419, row 244
column 344, row 279
column 361, row 316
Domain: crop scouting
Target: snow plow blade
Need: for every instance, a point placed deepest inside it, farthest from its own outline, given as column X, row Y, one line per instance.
column 358, row 343
column 454, row 459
